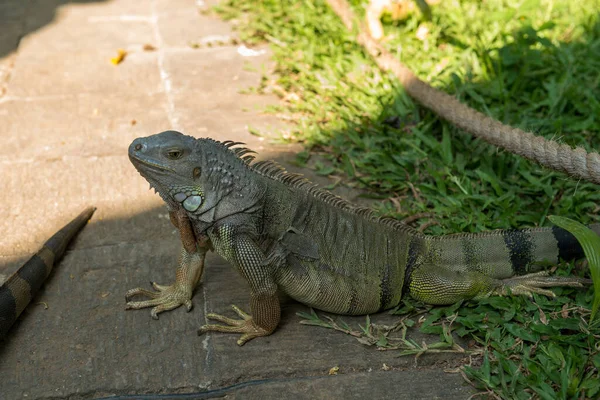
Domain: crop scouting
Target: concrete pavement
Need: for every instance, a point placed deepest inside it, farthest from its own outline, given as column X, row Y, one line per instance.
column 67, row 116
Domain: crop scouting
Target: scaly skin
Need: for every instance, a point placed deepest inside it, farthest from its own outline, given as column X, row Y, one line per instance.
column 21, row 287
column 283, row 234
column 187, row 277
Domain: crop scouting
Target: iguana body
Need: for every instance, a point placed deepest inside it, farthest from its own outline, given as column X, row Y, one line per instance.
column 21, row 287
column 284, row 234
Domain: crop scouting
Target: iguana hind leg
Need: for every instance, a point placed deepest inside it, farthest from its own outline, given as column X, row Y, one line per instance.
column 436, row 285
column 248, row 258
column 534, row 283
column 247, row 325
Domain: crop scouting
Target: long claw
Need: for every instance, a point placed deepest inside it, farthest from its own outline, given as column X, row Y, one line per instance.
column 165, row 298
column 163, row 307
column 142, row 292
column 240, row 312
column 221, row 328
column 223, row 319
column 136, row 305
column 533, row 283
column 160, row 288
column 246, row 337
column 246, row 326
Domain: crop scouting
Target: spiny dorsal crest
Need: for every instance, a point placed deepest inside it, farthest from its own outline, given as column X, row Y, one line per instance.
column 242, row 153
column 273, row 170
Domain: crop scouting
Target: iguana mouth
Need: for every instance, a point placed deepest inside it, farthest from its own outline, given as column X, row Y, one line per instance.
column 136, row 159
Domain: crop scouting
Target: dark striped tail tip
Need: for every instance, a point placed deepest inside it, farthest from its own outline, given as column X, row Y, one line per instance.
column 21, row 287
column 60, row 240
column 568, row 246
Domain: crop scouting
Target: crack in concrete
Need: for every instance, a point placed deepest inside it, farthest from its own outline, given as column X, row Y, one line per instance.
column 206, row 342
column 164, row 75
column 124, row 18
column 204, row 394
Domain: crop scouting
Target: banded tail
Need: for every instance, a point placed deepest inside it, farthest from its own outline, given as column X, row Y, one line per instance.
column 22, row 286
column 446, row 269
column 505, row 253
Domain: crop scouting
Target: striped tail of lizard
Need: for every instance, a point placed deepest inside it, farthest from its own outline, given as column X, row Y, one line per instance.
column 22, row 286
column 283, row 234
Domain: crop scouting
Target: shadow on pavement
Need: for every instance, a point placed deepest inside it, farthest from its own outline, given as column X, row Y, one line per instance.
column 75, row 339
column 20, row 18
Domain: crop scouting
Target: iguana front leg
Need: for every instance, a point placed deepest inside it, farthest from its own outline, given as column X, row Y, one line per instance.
column 247, row 257
column 189, row 272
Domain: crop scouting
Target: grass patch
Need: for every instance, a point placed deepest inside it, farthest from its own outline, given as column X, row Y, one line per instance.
column 533, row 64
column 590, row 242
column 542, row 349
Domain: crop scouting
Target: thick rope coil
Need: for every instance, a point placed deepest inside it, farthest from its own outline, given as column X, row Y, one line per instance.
column 576, row 162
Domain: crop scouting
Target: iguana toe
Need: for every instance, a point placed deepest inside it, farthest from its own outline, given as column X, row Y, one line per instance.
column 141, row 292
column 246, row 325
column 168, row 307
column 158, row 287
column 165, row 298
column 534, row 283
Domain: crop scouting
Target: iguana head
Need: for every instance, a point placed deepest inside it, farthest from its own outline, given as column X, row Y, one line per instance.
column 200, row 175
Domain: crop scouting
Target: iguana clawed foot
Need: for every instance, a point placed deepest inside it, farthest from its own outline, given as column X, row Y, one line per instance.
column 246, row 325
column 166, row 298
column 533, row 283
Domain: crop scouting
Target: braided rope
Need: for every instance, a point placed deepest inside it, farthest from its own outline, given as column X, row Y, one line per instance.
column 576, row 162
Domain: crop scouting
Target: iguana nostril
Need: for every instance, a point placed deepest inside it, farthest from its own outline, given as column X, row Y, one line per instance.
column 138, row 147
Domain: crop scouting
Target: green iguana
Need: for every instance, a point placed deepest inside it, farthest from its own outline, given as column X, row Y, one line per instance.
column 282, row 233
column 21, row 287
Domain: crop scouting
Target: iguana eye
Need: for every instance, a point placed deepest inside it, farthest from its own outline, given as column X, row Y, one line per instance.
column 174, row 154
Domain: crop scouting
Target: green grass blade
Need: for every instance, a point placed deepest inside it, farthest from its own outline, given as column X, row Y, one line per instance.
column 590, row 242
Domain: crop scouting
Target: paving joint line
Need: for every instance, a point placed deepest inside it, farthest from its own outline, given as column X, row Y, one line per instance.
column 164, row 75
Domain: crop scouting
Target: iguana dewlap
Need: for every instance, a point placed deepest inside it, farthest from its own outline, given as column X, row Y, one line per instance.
column 282, row 233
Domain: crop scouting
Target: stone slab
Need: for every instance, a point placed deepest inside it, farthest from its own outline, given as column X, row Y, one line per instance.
column 413, row 384
column 63, row 73
column 222, row 112
column 78, row 125
column 202, row 68
column 85, row 341
column 85, row 345
column 57, row 190
column 76, row 32
column 46, row 12
column 192, row 27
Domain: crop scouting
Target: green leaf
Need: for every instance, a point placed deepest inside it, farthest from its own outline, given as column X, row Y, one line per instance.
column 521, row 332
column 590, row 242
column 348, row 167
column 382, row 341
